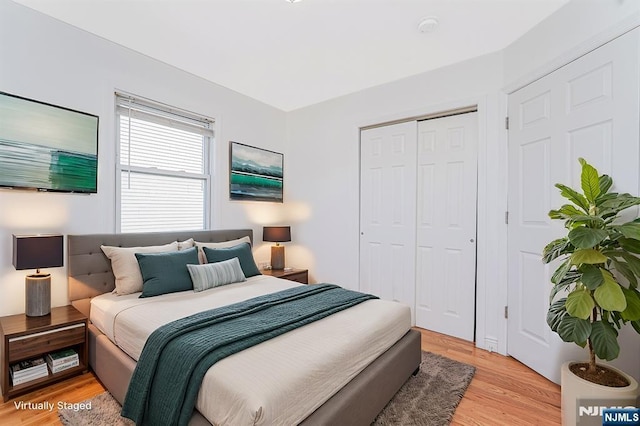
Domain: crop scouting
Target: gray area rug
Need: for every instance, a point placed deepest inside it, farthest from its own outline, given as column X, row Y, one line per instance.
column 429, row 398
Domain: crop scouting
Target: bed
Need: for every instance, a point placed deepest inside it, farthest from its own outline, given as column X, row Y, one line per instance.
column 357, row 401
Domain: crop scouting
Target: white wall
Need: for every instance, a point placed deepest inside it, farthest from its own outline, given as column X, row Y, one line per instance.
column 323, row 173
column 570, row 31
column 44, row 59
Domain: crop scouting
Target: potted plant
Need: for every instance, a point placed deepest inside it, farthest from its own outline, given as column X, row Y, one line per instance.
column 600, row 272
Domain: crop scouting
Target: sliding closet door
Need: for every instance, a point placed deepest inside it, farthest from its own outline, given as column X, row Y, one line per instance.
column 446, row 225
column 588, row 108
column 388, row 211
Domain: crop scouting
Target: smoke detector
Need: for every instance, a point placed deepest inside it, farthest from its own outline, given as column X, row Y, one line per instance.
column 428, row 24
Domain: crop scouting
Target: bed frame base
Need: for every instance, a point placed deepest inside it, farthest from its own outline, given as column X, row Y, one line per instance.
column 358, row 403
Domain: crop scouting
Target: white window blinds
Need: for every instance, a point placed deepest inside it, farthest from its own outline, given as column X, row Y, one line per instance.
column 162, row 166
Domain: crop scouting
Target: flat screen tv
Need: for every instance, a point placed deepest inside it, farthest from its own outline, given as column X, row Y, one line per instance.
column 47, row 147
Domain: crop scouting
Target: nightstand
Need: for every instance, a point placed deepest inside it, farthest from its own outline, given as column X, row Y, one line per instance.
column 298, row 275
column 23, row 338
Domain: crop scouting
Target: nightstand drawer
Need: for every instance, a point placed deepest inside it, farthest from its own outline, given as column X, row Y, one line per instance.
column 31, row 345
column 301, row 277
column 297, row 275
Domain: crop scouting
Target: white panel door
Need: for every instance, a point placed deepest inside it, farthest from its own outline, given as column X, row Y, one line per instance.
column 589, row 109
column 446, row 225
column 388, row 212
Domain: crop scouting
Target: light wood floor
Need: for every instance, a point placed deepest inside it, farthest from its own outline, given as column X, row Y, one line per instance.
column 502, row 392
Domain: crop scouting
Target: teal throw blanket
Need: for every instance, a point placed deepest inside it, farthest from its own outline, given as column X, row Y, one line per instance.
column 175, row 358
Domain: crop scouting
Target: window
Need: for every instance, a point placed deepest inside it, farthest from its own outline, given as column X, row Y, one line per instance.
column 162, row 167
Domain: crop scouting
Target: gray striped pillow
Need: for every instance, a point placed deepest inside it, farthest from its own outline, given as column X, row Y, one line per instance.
column 212, row 275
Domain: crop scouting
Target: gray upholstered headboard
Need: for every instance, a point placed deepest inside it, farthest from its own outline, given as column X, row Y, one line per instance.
column 89, row 270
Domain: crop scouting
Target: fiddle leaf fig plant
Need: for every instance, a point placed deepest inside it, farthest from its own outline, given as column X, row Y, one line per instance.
column 598, row 267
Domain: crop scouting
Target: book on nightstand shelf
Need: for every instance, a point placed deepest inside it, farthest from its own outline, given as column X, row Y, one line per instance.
column 62, row 360
column 25, row 371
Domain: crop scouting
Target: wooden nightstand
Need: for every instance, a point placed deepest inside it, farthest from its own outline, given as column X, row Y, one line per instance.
column 298, row 275
column 23, row 338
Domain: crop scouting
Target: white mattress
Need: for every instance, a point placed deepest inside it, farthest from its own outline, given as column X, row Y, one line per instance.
column 280, row 381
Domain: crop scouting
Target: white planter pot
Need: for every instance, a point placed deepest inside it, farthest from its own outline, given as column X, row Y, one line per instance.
column 574, row 388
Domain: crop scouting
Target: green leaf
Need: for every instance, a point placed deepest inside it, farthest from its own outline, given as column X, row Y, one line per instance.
column 557, row 289
column 614, row 254
column 574, row 330
column 618, row 203
column 626, row 272
column 632, row 312
column 589, row 181
column 609, row 295
column 580, row 303
column 632, row 261
column 589, row 256
column 591, row 277
column 574, row 196
column 570, row 210
column 605, row 183
column 629, row 244
column 613, row 317
column 636, row 326
column 605, row 340
column 630, row 230
column 556, row 312
column 555, row 249
column 562, row 270
column 589, row 220
column 570, row 278
column 584, row 237
column 565, row 212
column 608, row 196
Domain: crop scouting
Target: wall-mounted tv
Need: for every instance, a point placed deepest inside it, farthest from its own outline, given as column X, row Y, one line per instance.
column 47, row 147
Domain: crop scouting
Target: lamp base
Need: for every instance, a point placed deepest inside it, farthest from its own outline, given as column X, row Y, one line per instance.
column 38, row 295
column 277, row 257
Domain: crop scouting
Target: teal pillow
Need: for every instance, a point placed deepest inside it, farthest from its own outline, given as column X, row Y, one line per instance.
column 241, row 251
column 166, row 272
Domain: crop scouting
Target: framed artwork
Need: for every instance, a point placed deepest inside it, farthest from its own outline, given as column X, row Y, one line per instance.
column 255, row 174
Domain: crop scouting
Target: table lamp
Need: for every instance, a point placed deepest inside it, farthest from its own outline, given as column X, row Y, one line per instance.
column 35, row 252
column 277, row 234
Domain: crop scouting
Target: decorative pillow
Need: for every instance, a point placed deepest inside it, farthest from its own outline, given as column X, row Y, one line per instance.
column 166, row 272
column 182, row 245
column 241, row 251
column 125, row 266
column 216, row 274
column 224, row 244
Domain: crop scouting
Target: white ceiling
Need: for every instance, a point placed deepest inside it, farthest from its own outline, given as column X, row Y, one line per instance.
column 291, row 55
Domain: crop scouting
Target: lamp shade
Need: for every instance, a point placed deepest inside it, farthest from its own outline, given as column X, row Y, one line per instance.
column 276, row 234
column 37, row 251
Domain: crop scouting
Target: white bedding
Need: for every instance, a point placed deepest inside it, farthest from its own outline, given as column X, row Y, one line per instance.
column 280, row 381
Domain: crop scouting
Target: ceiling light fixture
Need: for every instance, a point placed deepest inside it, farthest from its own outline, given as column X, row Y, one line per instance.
column 428, row 24
column 292, row 1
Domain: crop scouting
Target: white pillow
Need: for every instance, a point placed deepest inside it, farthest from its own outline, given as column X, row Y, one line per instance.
column 224, row 244
column 216, row 274
column 125, row 265
column 186, row 244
